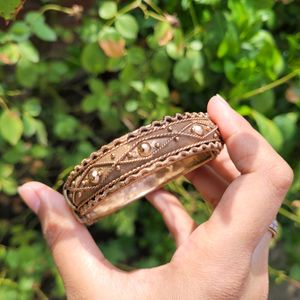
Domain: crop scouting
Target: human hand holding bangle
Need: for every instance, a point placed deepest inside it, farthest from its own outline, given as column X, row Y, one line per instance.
column 223, row 258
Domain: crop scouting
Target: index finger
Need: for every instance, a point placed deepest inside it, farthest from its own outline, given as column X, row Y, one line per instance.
column 252, row 200
column 76, row 255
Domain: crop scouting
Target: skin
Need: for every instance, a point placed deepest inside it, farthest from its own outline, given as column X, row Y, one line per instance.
column 223, row 258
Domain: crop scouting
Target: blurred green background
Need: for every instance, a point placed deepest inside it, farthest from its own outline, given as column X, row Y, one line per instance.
column 76, row 74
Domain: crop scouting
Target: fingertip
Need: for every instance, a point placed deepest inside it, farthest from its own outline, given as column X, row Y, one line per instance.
column 217, row 107
column 43, row 200
column 28, row 192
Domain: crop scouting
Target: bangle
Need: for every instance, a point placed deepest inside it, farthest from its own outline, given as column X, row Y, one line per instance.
column 139, row 162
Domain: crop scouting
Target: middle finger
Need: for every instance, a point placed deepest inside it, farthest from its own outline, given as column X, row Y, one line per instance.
column 211, row 180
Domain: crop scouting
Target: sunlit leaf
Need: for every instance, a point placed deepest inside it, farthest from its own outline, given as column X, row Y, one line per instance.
column 9, row 54
column 158, row 87
column 9, row 8
column 11, row 126
column 38, row 26
column 269, row 130
column 127, row 26
column 108, row 9
column 28, row 51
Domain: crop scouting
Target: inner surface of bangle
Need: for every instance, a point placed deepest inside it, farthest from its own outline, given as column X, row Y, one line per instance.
column 144, row 185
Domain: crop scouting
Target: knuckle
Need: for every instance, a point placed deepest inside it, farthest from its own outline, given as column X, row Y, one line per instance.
column 281, row 176
column 53, row 231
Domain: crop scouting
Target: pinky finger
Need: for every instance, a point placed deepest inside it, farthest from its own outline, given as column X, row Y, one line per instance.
column 176, row 218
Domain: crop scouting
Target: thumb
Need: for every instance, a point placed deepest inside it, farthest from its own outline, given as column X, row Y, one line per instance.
column 71, row 244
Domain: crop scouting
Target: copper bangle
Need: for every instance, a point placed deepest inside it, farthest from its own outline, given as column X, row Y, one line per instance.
column 139, row 162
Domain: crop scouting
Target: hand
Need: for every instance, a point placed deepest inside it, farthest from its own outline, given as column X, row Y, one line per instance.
column 223, row 258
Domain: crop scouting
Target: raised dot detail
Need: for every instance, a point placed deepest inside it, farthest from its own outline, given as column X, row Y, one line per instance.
column 197, row 129
column 144, row 149
column 94, row 176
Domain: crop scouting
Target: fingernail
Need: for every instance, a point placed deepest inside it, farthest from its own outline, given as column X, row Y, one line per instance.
column 30, row 197
column 222, row 99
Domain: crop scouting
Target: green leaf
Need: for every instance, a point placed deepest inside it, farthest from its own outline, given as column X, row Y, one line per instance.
column 11, row 126
column 287, row 124
column 9, row 186
column 9, row 8
column 127, row 26
column 295, row 272
column 161, row 64
column 230, row 44
column 9, row 54
column 44, row 32
column 136, row 55
column 41, row 133
column 96, row 86
column 158, row 87
column 183, row 69
column 199, row 77
column 20, row 31
column 6, row 170
column 32, row 106
column 137, row 85
column 263, row 102
column 208, row 2
column 131, row 105
column 89, row 103
column 93, row 59
column 39, row 27
column 174, row 51
column 269, row 130
column 65, row 126
column 258, row 4
column 29, row 125
column 28, row 51
column 196, row 57
column 196, row 45
column 108, row 9
column 27, row 73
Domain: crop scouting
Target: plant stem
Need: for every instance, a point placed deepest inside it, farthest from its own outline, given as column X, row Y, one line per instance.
column 282, row 274
column 137, row 4
column 193, row 33
column 154, row 7
column 131, row 6
column 193, row 15
column 3, row 104
column 289, row 215
column 8, row 282
column 55, row 7
column 155, row 16
column 271, row 85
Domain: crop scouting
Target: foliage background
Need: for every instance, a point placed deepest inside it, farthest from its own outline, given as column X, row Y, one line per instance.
column 76, row 74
